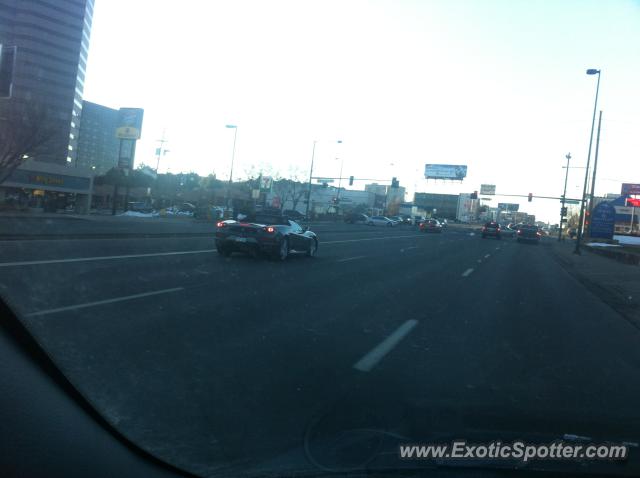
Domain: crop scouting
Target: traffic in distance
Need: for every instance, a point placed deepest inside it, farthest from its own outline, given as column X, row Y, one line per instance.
column 274, row 234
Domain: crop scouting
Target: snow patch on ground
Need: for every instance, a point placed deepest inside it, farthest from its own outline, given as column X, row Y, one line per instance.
column 139, row 214
column 629, row 240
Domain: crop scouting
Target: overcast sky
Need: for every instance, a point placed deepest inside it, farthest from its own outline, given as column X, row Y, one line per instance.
column 497, row 85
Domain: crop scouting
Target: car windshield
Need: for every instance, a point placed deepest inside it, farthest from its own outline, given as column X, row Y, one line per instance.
column 220, row 222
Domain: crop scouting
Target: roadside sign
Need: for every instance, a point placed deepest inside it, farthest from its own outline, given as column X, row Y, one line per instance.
column 603, row 220
column 572, row 201
column 487, row 189
column 324, row 180
column 265, row 183
column 507, row 206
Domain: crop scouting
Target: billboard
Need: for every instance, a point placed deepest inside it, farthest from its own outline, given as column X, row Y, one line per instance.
column 628, row 188
column 506, row 206
column 488, row 189
column 445, row 171
column 129, row 123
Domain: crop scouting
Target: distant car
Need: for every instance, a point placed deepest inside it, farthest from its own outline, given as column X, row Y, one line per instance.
column 380, row 221
column 572, row 232
column 140, row 207
column 528, row 233
column 356, row 219
column 187, row 207
column 260, row 233
column 492, row 229
column 396, row 219
column 430, row 225
column 294, row 215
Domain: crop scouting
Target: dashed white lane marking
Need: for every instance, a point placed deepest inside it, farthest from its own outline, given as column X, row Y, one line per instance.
column 486, row 256
column 467, row 272
column 371, row 359
column 350, row 258
column 102, row 258
column 103, row 302
column 479, row 261
column 498, row 248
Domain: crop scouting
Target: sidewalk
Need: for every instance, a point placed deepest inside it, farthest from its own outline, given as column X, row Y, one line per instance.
column 616, row 283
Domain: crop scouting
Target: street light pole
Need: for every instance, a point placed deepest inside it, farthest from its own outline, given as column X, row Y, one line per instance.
column 340, row 179
column 313, row 155
column 595, row 165
column 586, row 174
column 233, row 157
column 564, row 195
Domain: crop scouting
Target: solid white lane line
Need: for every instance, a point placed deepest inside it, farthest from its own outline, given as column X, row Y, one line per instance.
column 103, row 302
column 102, row 258
column 350, row 258
column 467, row 272
column 371, row 359
column 486, row 255
column 368, row 239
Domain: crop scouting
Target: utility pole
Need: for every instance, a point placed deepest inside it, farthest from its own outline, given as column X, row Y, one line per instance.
column 160, row 150
column 313, row 155
column 595, row 165
column 564, row 196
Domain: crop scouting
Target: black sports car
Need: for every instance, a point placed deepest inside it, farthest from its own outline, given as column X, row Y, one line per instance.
column 270, row 234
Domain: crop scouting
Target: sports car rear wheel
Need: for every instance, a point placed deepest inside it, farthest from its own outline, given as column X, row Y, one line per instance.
column 313, row 248
column 223, row 251
column 283, row 250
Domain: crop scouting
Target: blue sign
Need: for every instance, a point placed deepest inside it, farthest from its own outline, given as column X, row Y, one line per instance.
column 603, row 219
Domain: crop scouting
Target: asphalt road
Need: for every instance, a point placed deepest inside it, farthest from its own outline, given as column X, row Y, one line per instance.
column 214, row 363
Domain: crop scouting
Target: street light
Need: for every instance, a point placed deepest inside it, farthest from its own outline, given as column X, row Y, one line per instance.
column 340, row 178
column 591, row 71
column 564, row 196
column 313, row 155
column 233, row 155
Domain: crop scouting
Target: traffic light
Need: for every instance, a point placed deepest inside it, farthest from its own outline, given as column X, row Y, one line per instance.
column 563, row 211
column 350, row 180
column 474, row 195
column 530, row 197
column 395, row 183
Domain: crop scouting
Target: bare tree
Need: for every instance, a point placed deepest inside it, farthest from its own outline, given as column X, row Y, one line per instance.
column 24, row 130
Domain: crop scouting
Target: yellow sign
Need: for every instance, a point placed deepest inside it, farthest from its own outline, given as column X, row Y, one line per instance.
column 129, row 123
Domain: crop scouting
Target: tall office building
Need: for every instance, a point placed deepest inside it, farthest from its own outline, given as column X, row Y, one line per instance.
column 97, row 142
column 51, row 41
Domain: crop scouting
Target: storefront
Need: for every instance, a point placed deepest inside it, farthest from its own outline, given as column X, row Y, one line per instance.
column 48, row 187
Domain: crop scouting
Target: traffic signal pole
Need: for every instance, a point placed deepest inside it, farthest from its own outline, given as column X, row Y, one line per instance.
column 564, row 196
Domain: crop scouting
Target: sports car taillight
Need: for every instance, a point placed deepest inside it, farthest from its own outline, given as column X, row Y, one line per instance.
column 220, row 224
column 270, row 229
